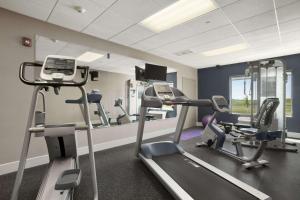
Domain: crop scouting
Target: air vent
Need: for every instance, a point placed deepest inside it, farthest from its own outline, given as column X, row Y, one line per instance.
column 184, row 52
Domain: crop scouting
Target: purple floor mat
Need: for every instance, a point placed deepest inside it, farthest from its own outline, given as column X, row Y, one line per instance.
column 191, row 133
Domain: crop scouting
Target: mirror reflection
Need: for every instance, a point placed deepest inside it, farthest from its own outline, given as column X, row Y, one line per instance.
column 114, row 89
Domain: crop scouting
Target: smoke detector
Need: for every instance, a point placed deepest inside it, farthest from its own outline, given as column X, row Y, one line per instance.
column 80, row 9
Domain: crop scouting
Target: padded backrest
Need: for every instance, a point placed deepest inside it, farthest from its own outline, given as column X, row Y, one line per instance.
column 264, row 117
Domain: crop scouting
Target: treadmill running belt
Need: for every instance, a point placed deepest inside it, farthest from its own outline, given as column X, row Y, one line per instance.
column 199, row 182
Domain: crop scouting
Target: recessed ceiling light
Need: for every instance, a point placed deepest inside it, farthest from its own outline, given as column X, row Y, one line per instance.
column 177, row 13
column 89, row 56
column 225, row 50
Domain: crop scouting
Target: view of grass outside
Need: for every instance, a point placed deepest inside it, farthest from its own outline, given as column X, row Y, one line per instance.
column 241, row 95
column 288, row 108
column 241, row 106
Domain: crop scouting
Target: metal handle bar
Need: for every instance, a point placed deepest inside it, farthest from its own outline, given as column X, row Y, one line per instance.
column 25, row 65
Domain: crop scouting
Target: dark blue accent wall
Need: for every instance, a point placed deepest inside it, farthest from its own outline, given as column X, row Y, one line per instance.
column 215, row 81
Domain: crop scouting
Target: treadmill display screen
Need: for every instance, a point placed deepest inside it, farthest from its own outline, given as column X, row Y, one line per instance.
column 59, row 65
column 163, row 91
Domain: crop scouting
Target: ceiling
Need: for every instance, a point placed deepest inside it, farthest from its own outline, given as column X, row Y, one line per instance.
column 269, row 27
column 116, row 63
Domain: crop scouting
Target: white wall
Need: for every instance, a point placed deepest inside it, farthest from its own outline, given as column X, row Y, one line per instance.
column 15, row 96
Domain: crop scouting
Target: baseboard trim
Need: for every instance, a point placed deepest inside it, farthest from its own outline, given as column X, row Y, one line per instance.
column 293, row 135
column 199, row 124
column 44, row 159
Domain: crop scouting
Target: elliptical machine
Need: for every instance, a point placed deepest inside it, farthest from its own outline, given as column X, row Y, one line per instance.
column 214, row 137
column 93, row 97
column 63, row 174
column 123, row 118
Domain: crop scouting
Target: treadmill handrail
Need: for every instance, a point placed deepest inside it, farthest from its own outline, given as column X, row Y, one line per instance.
column 180, row 99
column 42, row 129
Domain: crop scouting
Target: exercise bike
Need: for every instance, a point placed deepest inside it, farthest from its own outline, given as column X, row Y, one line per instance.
column 215, row 137
column 63, row 174
column 125, row 118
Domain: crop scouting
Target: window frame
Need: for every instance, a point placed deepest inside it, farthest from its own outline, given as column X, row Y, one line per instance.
column 289, row 72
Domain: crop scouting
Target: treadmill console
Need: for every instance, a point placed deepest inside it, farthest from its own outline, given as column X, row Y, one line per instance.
column 163, row 91
column 58, row 68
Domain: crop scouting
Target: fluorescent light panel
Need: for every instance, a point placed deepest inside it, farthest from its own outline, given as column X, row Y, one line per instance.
column 225, row 50
column 177, row 13
column 89, row 56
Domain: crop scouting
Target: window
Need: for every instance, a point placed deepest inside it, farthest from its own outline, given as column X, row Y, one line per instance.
column 240, row 95
column 289, row 102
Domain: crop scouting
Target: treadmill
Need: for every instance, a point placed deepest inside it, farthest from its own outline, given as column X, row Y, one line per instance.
column 185, row 176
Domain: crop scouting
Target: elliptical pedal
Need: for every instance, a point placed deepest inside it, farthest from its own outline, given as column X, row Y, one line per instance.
column 69, row 179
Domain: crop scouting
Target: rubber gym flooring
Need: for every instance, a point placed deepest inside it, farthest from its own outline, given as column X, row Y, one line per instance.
column 122, row 176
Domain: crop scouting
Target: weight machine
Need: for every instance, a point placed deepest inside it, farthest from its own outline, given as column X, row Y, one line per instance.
column 268, row 80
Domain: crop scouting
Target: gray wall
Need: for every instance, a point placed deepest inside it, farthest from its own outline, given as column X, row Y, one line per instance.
column 15, row 96
column 215, row 81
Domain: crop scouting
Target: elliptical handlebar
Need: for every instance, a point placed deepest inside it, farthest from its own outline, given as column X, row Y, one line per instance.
column 25, row 65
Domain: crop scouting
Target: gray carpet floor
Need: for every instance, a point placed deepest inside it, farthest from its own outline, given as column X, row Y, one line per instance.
column 122, row 176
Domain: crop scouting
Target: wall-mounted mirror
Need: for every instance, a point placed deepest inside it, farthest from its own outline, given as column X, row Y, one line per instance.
column 114, row 93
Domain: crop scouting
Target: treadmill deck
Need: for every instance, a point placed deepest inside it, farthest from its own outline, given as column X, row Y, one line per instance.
column 199, row 182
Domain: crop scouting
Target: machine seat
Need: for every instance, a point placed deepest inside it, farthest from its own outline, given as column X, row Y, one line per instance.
column 249, row 130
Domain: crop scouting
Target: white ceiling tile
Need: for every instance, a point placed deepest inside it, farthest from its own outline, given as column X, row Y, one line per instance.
column 65, row 15
column 218, row 44
column 257, row 22
column 247, row 8
column 162, row 53
column 223, row 3
column 280, row 3
column 33, row 8
column 289, row 26
column 202, row 38
column 289, row 12
column 293, row 36
column 164, row 3
column 132, row 35
column 262, row 34
column 108, row 24
column 104, row 3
